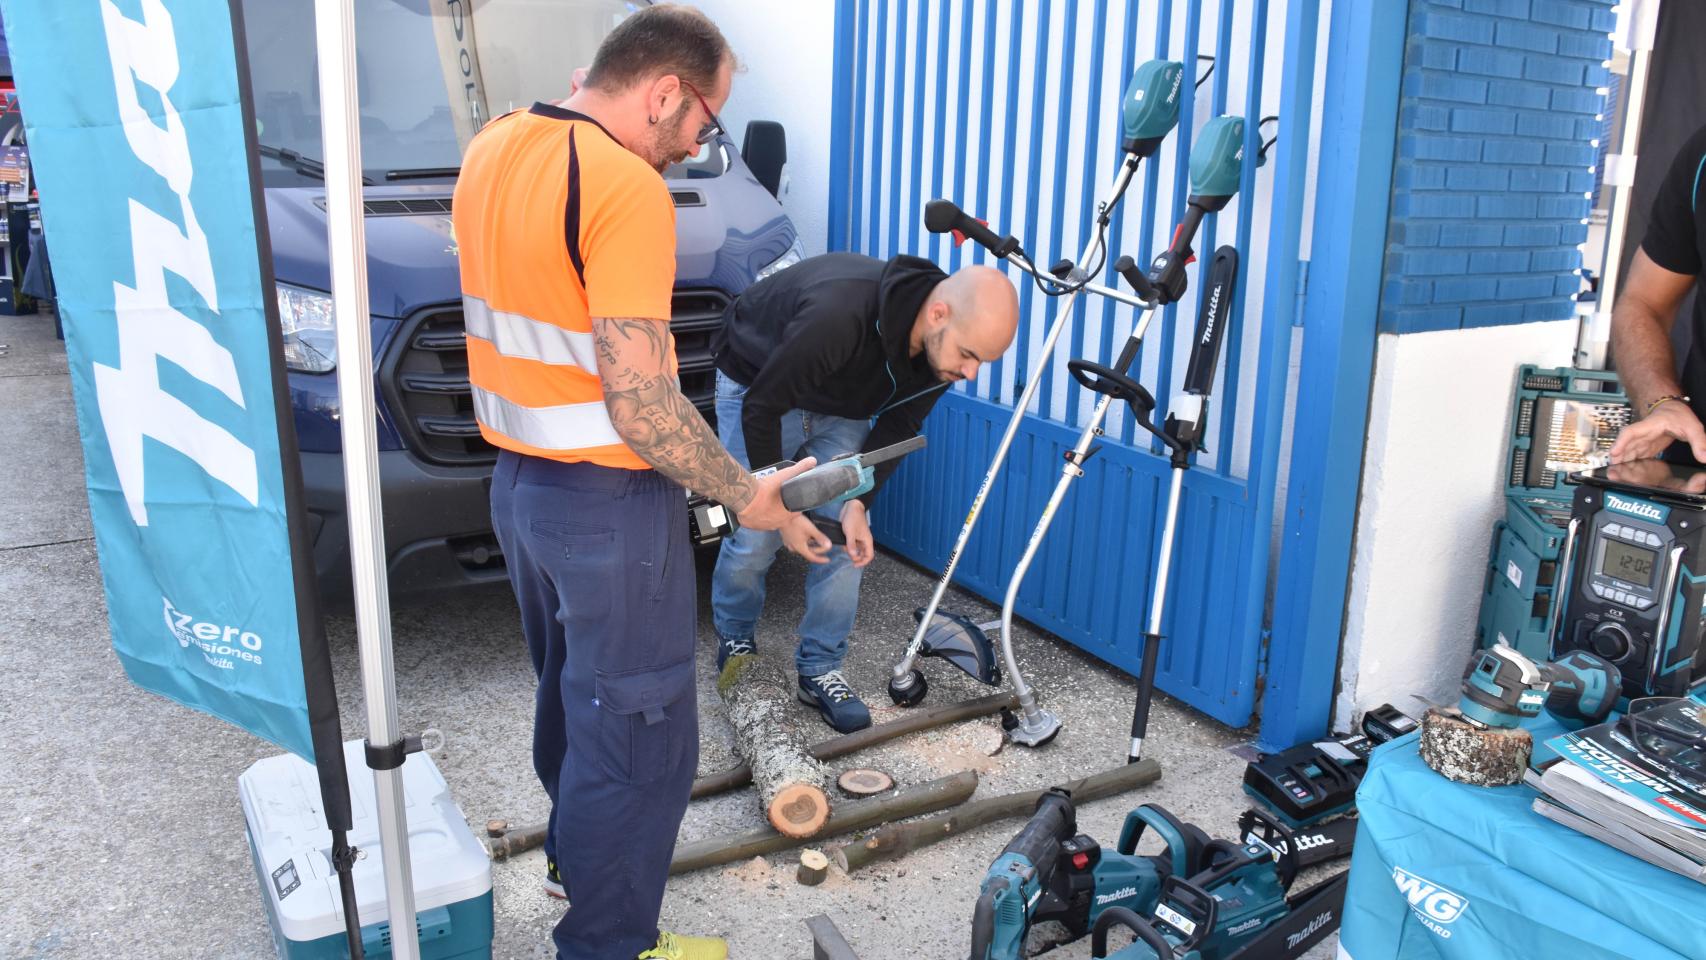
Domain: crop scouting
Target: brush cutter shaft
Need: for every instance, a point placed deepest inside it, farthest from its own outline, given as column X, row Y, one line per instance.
column 1063, row 314
column 1072, row 470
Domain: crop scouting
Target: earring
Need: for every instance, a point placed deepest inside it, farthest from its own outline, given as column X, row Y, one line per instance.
column 652, row 120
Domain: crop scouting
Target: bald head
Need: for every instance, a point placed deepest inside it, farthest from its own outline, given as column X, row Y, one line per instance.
column 967, row 320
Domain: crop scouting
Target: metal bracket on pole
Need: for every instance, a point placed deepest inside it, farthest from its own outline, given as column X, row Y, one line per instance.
column 334, row 24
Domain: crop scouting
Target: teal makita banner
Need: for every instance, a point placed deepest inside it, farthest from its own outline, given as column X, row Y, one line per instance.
column 136, row 120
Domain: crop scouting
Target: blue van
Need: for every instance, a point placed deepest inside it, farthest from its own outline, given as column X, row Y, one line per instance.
column 430, row 73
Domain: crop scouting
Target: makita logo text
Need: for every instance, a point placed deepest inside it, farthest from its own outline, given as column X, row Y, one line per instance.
column 1249, row 924
column 1635, row 508
column 134, row 404
column 1122, row 893
column 1306, row 841
column 1321, row 920
column 1213, row 314
column 1434, row 905
column 220, row 646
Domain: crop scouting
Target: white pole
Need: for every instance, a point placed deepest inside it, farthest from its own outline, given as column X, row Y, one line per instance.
column 334, row 22
column 1594, row 336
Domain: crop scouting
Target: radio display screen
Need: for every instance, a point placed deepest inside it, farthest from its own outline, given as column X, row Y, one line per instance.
column 1627, row 562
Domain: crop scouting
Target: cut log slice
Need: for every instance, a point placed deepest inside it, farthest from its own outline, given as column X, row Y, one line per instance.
column 865, row 782
column 1462, row 751
column 798, row 810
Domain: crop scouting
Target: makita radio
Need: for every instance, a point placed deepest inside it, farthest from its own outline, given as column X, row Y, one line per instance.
column 1635, row 550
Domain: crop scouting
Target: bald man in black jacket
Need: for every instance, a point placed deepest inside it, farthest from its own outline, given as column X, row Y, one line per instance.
column 838, row 354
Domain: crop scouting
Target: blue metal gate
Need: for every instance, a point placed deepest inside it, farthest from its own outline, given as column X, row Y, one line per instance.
column 1008, row 107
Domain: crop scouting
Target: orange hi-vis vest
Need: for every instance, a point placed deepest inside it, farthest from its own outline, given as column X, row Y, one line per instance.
column 556, row 223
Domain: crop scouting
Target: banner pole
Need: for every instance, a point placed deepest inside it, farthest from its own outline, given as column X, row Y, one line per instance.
column 324, row 724
column 334, row 24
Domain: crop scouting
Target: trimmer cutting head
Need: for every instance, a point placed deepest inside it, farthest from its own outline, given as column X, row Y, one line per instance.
column 957, row 639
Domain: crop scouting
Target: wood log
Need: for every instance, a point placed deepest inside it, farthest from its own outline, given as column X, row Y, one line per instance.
column 910, row 722
column 517, row 841
column 790, row 780
column 909, row 802
column 814, row 868
column 899, row 839
column 1483, row 756
column 522, row 839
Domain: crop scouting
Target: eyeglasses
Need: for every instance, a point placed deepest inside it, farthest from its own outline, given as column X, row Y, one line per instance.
column 713, row 126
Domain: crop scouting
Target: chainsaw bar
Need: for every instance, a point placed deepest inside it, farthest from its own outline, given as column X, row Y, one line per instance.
column 1314, row 914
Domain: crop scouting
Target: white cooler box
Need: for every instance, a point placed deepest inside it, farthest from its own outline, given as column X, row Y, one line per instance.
column 292, row 851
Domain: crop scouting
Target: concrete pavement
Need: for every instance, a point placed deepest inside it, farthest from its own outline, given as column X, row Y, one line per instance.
column 121, row 807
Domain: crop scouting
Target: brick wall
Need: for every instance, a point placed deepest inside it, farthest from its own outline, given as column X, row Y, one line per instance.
column 1495, row 148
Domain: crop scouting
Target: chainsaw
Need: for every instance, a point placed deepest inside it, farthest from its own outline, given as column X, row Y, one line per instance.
column 1237, row 908
column 1049, row 871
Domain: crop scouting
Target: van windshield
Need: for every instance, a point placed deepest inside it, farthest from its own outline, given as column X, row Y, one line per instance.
column 429, row 74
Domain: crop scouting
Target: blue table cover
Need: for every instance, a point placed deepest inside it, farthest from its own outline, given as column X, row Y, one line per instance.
column 1451, row 871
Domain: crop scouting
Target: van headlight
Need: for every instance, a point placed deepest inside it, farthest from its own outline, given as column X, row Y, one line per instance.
column 795, row 254
column 310, row 329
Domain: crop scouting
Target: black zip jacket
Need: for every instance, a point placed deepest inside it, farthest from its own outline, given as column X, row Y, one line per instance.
column 830, row 335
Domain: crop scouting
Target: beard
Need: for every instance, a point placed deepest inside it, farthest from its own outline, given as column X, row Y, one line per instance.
column 932, row 354
column 660, row 150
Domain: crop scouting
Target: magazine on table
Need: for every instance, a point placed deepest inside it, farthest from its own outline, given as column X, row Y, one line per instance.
column 1638, row 783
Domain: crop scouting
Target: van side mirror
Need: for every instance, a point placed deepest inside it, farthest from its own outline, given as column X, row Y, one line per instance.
column 765, row 150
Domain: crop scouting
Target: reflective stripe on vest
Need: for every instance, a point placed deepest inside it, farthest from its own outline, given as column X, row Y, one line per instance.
column 570, row 426
column 525, row 338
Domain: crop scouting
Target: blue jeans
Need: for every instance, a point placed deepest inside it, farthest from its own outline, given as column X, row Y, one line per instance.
column 832, row 589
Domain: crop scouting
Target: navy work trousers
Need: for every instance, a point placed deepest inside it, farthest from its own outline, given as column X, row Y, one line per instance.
column 602, row 568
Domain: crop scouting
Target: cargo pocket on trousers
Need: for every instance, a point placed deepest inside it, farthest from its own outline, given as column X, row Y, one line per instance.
column 643, row 718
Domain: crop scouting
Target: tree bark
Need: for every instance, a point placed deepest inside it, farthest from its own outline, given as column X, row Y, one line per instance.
column 899, row 839
column 1462, row 751
column 910, row 722
column 790, row 780
column 909, row 802
column 517, row 841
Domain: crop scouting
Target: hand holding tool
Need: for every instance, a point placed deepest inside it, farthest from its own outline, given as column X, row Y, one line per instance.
column 841, row 478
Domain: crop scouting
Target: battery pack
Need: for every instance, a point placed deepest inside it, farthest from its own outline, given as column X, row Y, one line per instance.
column 1309, row 782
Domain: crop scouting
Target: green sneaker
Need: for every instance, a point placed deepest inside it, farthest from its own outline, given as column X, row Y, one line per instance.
column 672, row 946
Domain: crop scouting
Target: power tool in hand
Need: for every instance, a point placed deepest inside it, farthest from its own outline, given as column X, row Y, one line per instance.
column 1502, row 688
column 1049, row 871
column 841, row 478
column 1235, row 908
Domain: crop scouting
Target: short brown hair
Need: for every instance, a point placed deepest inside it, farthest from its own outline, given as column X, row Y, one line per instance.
column 658, row 40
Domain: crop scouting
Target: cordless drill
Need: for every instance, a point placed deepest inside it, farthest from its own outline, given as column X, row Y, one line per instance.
column 1502, row 688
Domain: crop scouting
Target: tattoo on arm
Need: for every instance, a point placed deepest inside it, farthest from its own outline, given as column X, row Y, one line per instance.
column 652, row 416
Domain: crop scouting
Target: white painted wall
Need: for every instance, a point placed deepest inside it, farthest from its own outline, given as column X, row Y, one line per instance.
column 787, row 50
column 1438, row 430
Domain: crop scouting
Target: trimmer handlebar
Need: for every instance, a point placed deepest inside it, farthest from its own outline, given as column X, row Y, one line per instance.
column 945, row 216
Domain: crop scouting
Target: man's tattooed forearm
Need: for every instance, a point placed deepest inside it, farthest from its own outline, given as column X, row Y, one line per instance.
column 652, row 416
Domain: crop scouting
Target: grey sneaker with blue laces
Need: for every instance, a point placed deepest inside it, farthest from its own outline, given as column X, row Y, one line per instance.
column 840, row 706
